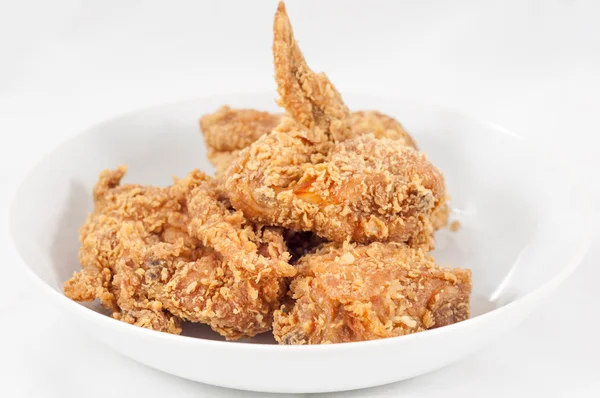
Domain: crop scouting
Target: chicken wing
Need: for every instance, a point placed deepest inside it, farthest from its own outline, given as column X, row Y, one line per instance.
column 351, row 292
column 125, row 220
column 155, row 256
column 307, row 175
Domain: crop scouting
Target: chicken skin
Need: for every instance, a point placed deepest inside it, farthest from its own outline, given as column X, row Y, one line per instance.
column 308, row 175
column 155, row 256
column 349, row 292
column 228, row 131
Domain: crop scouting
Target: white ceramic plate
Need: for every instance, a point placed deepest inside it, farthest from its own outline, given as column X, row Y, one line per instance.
column 524, row 230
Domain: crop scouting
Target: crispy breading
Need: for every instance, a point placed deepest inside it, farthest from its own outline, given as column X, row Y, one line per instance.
column 309, row 97
column 307, row 175
column 147, row 208
column 364, row 189
column 228, row 131
column 255, row 263
column 317, row 224
column 381, row 126
column 347, row 292
column 157, row 255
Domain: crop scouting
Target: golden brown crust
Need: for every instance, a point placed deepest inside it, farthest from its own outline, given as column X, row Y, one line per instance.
column 381, row 126
column 157, row 255
column 364, row 189
column 363, row 292
column 229, row 130
column 215, row 251
column 254, row 267
column 307, row 175
column 309, row 98
column 101, row 245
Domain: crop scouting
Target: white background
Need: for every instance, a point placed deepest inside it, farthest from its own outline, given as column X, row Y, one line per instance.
column 531, row 66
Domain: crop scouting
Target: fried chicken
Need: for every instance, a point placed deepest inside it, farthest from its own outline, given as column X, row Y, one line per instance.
column 364, row 189
column 316, row 225
column 157, row 255
column 145, row 208
column 309, row 98
column 255, row 266
column 228, row 131
column 352, row 292
column 308, row 175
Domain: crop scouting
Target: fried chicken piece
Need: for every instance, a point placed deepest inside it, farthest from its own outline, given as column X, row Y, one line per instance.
column 209, row 289
column 307, row 176
column 227, row 131
column 384, row 190
column 126, row 220
column 143, row 256
column 348, row 293
column 101, row 244
column 365, row 189
column 237, row 290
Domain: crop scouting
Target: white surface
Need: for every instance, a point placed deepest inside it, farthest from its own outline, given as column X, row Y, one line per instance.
column 531, row 66
column 536, row 244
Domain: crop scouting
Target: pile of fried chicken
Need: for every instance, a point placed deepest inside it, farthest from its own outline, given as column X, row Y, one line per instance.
column 317, row 226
